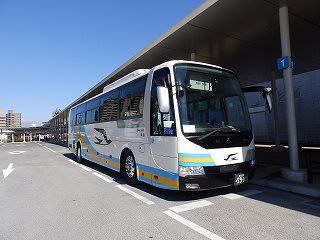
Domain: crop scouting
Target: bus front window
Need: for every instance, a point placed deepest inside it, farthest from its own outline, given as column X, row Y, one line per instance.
column 212, row 107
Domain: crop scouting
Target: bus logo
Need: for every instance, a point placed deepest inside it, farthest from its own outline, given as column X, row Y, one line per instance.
column 231, row 157
column 104, row 140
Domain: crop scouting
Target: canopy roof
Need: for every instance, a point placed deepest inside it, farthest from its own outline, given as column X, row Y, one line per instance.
column 243, row 36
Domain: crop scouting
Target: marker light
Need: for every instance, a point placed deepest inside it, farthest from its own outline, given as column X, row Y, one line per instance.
column 192, row 186
column 253, row 162
column 190, row 171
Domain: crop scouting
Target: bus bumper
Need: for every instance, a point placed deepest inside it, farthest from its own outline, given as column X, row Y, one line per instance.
column 216, row 177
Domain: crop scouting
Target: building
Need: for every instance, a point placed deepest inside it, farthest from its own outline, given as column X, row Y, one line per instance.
column 13, row 120
column 2, row 119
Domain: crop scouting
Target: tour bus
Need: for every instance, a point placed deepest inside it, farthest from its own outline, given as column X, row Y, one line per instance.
column 181, row 125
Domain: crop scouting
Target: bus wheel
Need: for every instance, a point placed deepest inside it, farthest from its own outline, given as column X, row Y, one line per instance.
column 129, row 168
column 79, row 156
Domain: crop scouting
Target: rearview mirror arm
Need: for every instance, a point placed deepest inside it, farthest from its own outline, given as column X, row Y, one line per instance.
column 264, row 91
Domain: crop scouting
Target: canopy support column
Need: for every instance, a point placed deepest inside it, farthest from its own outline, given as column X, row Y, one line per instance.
column 294, row 173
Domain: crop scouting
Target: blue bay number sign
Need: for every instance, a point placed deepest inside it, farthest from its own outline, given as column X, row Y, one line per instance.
column 284, row 63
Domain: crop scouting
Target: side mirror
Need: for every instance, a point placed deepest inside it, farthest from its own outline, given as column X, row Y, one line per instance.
column 265, row 92
column 267, row 95
column 163, row 99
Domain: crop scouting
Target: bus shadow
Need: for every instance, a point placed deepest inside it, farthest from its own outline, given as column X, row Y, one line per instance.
column 70, row 156
column 168, row 195
column 177, row 196
column 115, row 176
column 273, row 197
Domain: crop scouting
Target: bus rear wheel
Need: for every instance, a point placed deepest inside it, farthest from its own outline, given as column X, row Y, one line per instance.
column 130, row 168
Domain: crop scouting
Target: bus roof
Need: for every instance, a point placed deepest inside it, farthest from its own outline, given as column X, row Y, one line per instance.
column 126, row 78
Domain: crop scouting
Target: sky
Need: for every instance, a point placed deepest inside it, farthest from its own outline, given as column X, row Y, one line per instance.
column 52, row 52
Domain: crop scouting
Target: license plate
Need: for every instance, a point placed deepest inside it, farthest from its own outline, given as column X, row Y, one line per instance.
column 240, row 178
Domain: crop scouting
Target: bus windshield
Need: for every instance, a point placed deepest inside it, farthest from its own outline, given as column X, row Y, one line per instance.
column 210, row 102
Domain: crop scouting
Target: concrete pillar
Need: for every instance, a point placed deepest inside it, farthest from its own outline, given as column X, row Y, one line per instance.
column 67, row 125
column 275, row 110
column 193, row 56
column 294, row 173
column 24, row 137
column 30, row 137
column 12, row 140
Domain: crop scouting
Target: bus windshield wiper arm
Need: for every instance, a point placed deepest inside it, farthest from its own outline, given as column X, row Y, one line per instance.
column 218, row 130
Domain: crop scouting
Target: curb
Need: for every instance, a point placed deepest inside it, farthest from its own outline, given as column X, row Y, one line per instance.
column 287, row 186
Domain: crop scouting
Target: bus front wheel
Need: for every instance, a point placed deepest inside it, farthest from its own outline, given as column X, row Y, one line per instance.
column 130, row 168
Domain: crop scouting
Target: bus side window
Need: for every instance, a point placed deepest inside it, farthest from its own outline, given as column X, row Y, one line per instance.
column 132, row 94
column 161, row 124
column 88, row 116
column 109, row 107
column 72, row 117
column 79, row 120
column 125, row 108
column 95, row 114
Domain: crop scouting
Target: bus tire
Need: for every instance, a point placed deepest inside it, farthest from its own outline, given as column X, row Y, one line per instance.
column 79, row 155
column 129, row 168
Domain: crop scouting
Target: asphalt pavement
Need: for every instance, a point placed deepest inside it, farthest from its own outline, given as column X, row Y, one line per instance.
column 47, row 195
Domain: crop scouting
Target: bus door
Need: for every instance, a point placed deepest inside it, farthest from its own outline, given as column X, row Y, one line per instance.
column 163, row 137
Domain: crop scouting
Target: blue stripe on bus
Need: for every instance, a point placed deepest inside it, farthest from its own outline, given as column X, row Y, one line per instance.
column 170, row 175
column 92, row 149
column 195, row 155
column 196, row 164
column 250, row 155
column 154, row 171
column 130, row 123
column 144, row 179
column 195, row 159
column 104, row 164
column 156, row 184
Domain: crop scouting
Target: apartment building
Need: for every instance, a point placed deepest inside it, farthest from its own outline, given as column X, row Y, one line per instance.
column 2, row 119
column 13, row 120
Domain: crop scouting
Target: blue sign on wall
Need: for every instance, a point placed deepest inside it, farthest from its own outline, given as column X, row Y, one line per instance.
column 283, row 63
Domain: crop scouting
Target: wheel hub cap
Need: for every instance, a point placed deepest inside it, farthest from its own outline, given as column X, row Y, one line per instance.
column 129, row 166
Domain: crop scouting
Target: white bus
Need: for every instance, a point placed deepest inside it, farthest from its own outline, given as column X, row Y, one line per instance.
column 181, row 125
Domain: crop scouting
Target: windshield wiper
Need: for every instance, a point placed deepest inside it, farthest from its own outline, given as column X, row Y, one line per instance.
column 219, row 130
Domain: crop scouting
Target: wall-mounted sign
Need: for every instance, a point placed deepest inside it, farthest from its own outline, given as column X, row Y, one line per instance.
column 283, row 63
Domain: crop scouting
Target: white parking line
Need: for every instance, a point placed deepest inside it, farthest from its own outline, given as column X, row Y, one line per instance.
column 193, row 226
column 190, row 206
column 103, row 177
column 75, row 163
column 85, row 168
column 233, row 196
column 136, row 195
column 17, row 152
column 50, row 149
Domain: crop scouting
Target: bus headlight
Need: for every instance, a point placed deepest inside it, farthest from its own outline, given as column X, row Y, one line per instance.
column 190, row 171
